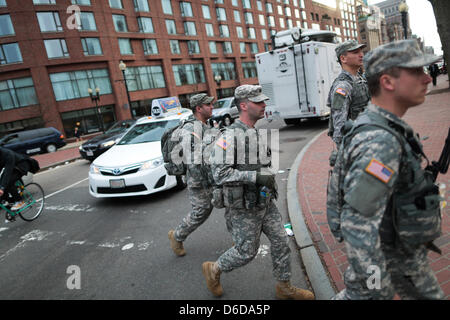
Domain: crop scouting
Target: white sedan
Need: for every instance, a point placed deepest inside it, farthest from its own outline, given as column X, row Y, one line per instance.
column 135, row 166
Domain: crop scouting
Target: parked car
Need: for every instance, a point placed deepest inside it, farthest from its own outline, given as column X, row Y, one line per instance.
column 34, row 141
column 94, row 147
column 135, row 165
column 224, row 111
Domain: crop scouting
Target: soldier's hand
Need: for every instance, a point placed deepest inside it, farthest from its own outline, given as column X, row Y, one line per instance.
column 267, row 180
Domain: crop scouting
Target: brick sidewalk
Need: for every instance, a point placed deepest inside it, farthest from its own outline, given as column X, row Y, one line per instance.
column 432, row 119
column 50, row 159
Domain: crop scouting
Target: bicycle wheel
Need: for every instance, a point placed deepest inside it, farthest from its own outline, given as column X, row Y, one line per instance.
column 33, row 194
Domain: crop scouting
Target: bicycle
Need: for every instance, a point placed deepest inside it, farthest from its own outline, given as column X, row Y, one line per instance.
column 34, row 198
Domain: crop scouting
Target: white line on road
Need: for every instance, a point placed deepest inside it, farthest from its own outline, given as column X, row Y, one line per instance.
column 64, row 189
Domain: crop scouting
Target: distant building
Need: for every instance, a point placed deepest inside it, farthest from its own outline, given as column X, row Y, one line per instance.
column 393, row 19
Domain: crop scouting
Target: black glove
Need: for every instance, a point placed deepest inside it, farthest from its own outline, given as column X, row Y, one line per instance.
column 267, row 180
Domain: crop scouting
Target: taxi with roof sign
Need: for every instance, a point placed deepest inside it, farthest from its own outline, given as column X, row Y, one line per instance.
column 135, row 166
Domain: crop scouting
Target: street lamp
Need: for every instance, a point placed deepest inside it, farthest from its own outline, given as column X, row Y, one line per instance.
column 96, row 97
column 123, row 67
column 218, row 78
column 403, row 8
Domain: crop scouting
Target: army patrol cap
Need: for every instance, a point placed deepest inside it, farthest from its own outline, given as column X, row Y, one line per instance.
column 346, row 46
column 403, row 54
column 250, row 92
column 199, row 99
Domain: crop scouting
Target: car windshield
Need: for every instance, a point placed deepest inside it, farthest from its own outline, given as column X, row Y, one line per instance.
column 147, row 132
column 222, row 104
column 120, row 126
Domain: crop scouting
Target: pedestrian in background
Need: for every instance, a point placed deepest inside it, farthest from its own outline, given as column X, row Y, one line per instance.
column 434, row 72
column 198, row 176
column 349, row 93
column 248, row 195
column 77, row 132
column 380, row 201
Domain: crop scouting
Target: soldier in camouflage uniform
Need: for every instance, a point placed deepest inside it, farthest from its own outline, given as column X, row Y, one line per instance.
column 237, row 164
column 198, row 176
column 380, row 201
column 349, row 93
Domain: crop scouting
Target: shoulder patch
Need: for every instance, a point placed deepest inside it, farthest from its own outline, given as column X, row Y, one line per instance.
column 341, row 92
column 222, row 143
column 379, row 170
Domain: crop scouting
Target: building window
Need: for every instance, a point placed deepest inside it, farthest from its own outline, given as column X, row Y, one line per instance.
column 224, row 31
column 188, row 74
column 75, row 84
column 251, row 34
column 227, row 47
column 10, row 53
column 82, row 2
column 264, row 34
column 248, row 17
column 262, row 20
column 226, row 70
column 171, row 27
column 125, row 46
column 246, row 4
column 209, row 30
column 145, row 78
column 145, row 25
column 44, row 1
column 242, row 47
column 91, row 46
column 6, row 26
column 254, row 47
column 269, row 7
column 116, row 4
column 19, row 125
column 193, row 47
column 17, row 93
column 120, row 23
column 189, row 28
column 271, row 21
column 2, row 3
column 221, row 14
column 49, row 21
column 87, row 21
column 56, row 48
column 150, row 46
column 89, row 119
column 166, row 6
column 175, row 47
column 234, row 3
column 186, row 9
column 212, row 47
column 240, row 32
column 206, row 12
column 141, row 6
column 237, row 16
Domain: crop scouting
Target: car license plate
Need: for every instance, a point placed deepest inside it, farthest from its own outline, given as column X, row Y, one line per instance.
column 89, row 153
column 118, row 183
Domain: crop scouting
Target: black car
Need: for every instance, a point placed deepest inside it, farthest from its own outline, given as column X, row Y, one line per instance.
column 94, row 147
column 34, row 141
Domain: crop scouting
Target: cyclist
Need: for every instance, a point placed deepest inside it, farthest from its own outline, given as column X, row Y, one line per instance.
column 12, row 167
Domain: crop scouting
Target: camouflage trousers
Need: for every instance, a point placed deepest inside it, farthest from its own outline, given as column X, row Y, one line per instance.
column 408, row 275
column 200, row 199
column 246, row 227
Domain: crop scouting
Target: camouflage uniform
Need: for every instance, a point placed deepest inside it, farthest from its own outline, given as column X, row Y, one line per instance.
column 236, row 171
column 198, row 176
column 374, row 168
column 348, row 95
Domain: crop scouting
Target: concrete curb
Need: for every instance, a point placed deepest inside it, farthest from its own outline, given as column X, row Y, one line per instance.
column 315, row 270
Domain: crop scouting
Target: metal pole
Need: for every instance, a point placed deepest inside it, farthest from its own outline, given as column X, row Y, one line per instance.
column 126, row 88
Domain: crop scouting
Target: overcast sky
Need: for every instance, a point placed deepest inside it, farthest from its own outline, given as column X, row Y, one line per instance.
column 422, row 22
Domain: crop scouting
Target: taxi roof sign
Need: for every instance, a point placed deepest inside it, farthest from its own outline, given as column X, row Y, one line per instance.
column 165, row 105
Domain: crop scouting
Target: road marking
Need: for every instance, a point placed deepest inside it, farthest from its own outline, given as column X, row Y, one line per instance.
column 64, row 189
column 71, row 207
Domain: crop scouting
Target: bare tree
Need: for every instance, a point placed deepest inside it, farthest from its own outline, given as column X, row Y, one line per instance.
column 441, row 10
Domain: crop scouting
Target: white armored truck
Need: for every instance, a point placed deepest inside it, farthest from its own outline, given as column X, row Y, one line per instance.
column 297, row 74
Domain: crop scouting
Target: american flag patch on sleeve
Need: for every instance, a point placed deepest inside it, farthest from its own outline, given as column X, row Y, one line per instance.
column 222, row 143
column 341, row 91
column 379, row 170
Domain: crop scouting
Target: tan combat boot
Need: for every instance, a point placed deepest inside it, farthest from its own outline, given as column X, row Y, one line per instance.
column 212, row 275
column 177, row 246
column 285, row 291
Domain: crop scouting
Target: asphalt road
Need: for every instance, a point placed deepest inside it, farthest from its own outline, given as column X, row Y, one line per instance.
column 87, row 248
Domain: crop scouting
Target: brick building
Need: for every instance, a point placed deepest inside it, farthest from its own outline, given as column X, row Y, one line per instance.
column 53, row 51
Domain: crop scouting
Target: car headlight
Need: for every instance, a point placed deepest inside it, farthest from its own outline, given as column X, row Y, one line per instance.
column 152, row 164
column 94, row 169
column 108, row 144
